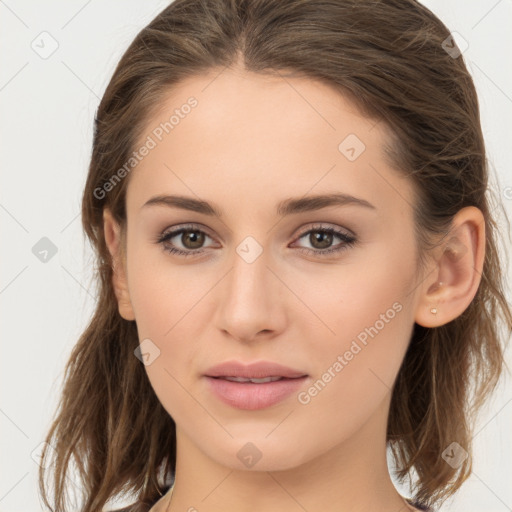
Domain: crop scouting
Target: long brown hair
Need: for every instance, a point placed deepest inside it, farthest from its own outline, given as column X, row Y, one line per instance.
column 388, row 57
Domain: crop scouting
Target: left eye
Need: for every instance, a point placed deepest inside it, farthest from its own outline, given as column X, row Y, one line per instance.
column 320, row 238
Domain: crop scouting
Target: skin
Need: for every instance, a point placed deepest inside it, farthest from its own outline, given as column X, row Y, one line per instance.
column 251, row 142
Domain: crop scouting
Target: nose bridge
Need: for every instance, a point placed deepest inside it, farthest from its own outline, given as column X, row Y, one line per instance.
column 250, row 294
column 249, row 275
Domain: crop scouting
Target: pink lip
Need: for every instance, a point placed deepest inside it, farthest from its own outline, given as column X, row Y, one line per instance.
column 249, row 395
column 256, row 370
column 252, row 396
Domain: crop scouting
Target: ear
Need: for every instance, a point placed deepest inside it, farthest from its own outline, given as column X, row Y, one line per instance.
column 113, row 240
column 452, row 284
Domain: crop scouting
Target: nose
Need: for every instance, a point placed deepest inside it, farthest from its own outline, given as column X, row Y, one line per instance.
column 251, row 300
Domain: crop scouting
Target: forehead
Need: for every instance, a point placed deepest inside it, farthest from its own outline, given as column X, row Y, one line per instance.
column 236, row 133
column 227, row 99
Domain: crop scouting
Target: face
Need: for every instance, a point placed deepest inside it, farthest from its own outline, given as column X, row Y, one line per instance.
column 325, row 288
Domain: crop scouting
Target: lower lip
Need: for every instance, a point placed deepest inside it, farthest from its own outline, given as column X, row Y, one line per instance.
column 252, row 396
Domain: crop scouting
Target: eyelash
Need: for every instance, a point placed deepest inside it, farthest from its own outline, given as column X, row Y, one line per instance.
column 348, row 241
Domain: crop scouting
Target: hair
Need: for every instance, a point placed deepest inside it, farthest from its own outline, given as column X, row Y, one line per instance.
column 387, row 57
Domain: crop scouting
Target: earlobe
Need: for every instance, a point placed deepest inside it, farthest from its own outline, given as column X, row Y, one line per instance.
column 453, row 282
column 113, row 241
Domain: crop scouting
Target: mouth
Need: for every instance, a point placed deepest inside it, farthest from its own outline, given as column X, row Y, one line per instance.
column 252, row 386
column 262, row 380
column 255, row 370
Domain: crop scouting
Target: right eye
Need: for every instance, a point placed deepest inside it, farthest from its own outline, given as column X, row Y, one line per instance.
column 191, row 240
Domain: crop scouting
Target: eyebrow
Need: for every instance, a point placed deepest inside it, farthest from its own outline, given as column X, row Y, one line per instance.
column 285, row 207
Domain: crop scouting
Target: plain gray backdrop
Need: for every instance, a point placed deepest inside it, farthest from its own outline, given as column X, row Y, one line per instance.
column 57, row 58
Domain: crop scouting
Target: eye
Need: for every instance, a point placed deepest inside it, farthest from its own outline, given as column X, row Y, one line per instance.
column 321, row 239
column 192, row 239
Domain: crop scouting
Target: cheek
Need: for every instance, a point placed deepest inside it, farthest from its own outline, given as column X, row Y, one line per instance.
column 166, row 299
column 369, row 314
column 356, row 368
column 166, row 302
column 161, row 292
column 367, row 298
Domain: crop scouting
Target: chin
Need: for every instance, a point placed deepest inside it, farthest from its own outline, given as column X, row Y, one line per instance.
column 260, row 454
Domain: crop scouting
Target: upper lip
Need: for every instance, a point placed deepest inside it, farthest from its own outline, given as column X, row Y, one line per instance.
column 256, row 370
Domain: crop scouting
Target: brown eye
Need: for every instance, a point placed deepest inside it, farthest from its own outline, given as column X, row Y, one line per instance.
column 320, row 239
column 192, row 239
column 185, row 241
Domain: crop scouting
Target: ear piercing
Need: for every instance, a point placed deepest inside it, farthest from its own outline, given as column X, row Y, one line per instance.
column 434, row 310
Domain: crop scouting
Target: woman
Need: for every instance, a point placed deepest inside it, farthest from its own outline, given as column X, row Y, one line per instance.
column 297, row 264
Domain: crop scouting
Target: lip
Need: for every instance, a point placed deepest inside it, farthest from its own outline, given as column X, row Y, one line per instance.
column 252, row 396
column 256, row 370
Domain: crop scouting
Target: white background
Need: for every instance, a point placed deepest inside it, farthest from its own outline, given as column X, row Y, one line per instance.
column 48, row 108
